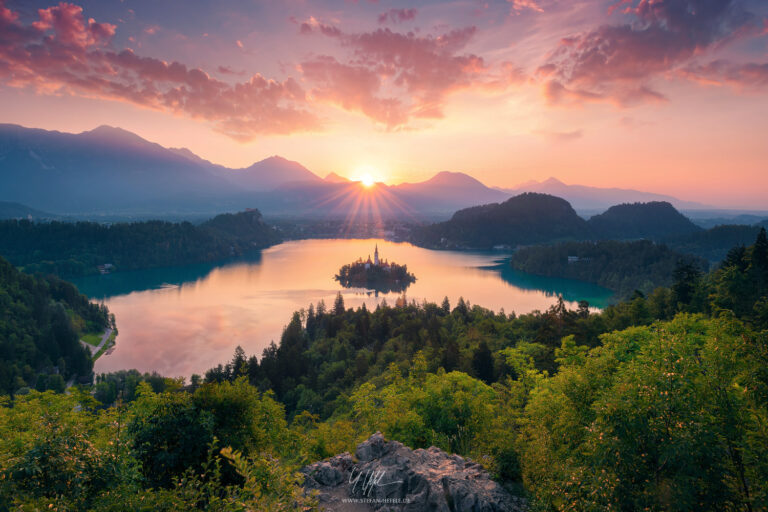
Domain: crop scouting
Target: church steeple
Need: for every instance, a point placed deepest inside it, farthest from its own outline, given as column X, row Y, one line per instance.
column 376, row 255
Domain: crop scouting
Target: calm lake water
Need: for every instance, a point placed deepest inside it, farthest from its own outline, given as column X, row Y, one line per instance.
column 184, row 320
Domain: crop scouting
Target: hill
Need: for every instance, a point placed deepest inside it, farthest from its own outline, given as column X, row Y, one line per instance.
column 584, row 197
column 40, row 327
column 75, row 249
column 713, row 244
column 9, row 210
column 654, row 220
column 242, row 228
column 525, row 219
column 620, row 266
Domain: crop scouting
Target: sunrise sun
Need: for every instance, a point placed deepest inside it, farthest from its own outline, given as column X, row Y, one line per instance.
column 366, row 175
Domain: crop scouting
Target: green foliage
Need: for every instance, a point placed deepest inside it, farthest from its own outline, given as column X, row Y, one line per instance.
column 713, row 244
column 169, row 434
column 58, row 452
column 656, row 403
column 620, row 266
column 268, row 485
column 75, row 249
column 657, row 418
column 243, row 418
column 56, row 448
column 40, row 322
column 653, row 220
column 452, row 411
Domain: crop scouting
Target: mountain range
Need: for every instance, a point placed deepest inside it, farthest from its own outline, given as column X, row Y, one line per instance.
column 111, row 170
column 594, row 199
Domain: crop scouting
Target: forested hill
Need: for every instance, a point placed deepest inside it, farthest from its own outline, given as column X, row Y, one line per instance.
column 620, row 266
column 242, row 229
column 533, row 218
column 75, row 249
column 714, row 243
column 654, row 220
column 40, row 323
column 525, row 219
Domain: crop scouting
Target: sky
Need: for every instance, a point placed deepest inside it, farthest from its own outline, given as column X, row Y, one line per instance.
column 669, row 96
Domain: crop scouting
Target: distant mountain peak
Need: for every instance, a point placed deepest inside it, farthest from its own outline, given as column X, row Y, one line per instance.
column 453, row 179
column 106, row 129
column 277, row 158
column 115, row 134
column 586, row 197
column 552, row 181
column 332, row 177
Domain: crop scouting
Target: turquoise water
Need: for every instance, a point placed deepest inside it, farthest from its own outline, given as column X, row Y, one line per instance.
column 184, row 320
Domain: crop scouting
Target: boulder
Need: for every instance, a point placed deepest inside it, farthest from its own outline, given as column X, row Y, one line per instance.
column 385, row 476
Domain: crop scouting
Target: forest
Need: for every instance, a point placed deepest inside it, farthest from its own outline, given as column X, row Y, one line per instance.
column 74, row 249
column 659, row 403
column 620, row 266
column 41, row 320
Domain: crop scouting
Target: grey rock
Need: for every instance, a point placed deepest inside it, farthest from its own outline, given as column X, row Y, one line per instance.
column 386, row 476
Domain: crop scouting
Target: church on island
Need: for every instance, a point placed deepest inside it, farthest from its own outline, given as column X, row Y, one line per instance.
column 375, row 274
column 376, row 262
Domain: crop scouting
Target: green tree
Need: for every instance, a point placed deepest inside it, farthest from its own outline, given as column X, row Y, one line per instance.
column 168, row 435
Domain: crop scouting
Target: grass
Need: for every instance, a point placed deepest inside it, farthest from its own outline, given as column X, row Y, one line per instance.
column 107, row 345
column 92, row 338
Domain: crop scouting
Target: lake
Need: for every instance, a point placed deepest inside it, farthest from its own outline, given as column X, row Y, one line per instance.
column 183, row 320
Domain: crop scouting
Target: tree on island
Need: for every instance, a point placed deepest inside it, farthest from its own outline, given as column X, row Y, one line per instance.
column 376, row 274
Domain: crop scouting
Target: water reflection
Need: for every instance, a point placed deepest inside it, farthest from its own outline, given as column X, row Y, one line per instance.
column 186, row 319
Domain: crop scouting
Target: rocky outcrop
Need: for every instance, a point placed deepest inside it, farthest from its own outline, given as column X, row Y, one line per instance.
column 385, row 476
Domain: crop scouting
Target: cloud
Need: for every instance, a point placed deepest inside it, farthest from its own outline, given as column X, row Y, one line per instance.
column 519, row 6
column 556, row 136
column 395, row 77
column 227, row 70
column 397, row 16
column 353, row 88
column 63, row 53
column 741, row 75
column 616, row 62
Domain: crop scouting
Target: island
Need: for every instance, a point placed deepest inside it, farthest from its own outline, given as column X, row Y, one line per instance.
column 379, row 275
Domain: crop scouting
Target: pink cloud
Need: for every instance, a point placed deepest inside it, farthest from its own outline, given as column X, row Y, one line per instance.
column 61, row 52
column 399, row 77
column 353, row 88
column 616, row 62
column 523, row 5
column 71, row 29
column 397, row 16
column 743, row 76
